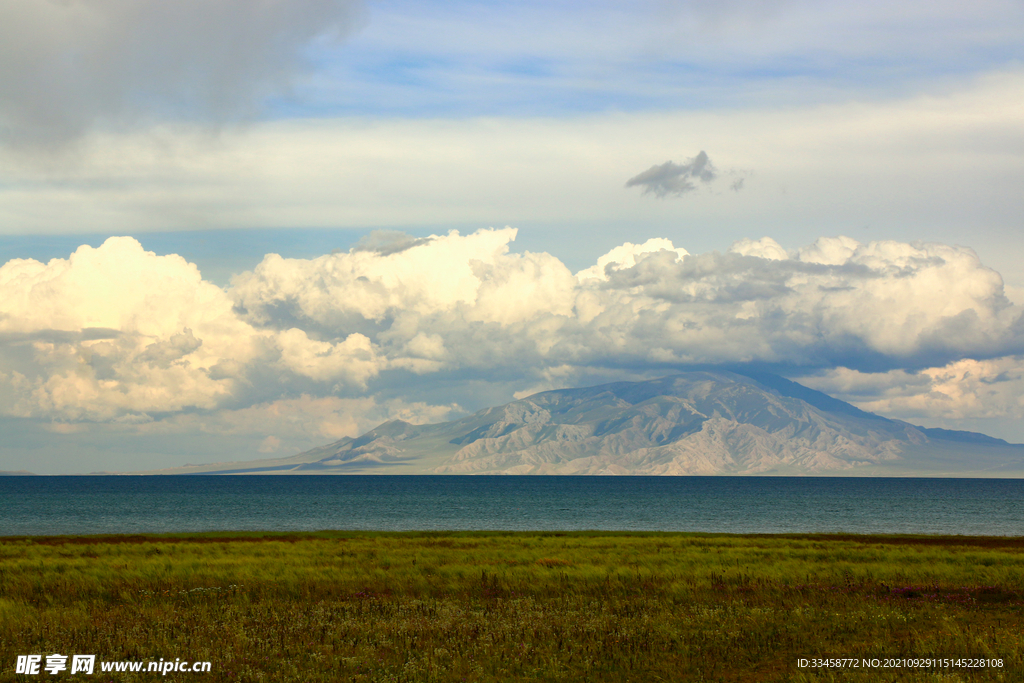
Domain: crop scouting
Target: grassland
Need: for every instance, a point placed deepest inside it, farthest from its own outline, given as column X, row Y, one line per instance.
column 346, row 606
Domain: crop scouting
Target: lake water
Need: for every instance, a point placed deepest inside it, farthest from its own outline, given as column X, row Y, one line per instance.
column 92, row 505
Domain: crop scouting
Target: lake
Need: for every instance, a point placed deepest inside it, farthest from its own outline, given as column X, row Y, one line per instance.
column 120, row 504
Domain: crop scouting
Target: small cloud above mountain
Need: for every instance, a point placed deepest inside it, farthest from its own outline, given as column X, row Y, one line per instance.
column 671, row 179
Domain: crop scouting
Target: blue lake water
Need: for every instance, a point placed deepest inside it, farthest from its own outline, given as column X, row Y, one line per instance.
column 92, row 505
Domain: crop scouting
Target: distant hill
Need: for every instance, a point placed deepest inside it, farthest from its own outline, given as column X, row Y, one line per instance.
column 694, row 423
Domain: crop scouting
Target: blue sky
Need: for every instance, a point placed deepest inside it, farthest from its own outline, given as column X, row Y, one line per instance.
column 320, row 130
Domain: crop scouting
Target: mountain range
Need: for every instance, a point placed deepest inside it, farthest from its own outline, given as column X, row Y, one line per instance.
column 706, row 422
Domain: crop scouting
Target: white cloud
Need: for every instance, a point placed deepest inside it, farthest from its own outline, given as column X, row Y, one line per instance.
column 353, row 360
column 829, row 251
column 625, row 256
column 967, row 389
column 117, row 333
column 473, row 276
column 765, row 248
column 142, row 343
column 464, row 301
column 887, row 304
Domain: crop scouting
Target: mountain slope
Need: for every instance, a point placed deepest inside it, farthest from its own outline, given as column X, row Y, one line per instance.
column 704, row 422
column 698, row 423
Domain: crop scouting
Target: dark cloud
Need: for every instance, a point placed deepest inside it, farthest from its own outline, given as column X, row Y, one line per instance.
column 163, row 353
column 385, row 242
column 67, row 67
column 675, row 179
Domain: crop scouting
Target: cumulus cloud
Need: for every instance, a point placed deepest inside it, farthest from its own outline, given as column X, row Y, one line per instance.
column 765, row 248
column 131, row 339
column 675, row 179
column 116, row 333
column 888, row 304
column 472, row 277
column 465, row 301
column 625, row 256
column 963, row 390
column 66, row 67
column 169, row 330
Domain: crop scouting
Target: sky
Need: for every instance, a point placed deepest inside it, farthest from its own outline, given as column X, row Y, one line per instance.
column 239, row 229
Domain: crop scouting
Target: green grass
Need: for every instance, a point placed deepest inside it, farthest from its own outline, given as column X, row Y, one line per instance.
column 488, row 606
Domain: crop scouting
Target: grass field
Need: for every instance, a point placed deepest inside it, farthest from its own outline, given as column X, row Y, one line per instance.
column 467, row 606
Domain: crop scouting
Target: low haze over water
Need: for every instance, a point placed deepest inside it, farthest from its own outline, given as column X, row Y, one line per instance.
column 91, row 505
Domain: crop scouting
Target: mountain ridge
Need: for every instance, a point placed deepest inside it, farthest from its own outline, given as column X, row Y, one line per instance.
column 702, row 422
